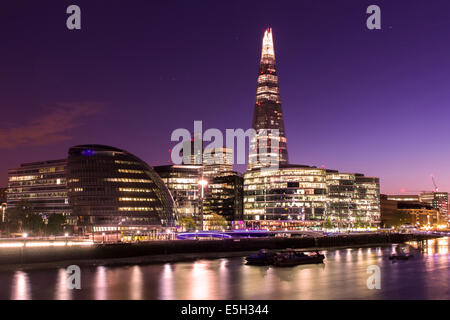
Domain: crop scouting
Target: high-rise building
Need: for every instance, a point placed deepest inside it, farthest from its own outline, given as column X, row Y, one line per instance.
column 269, row 145
column 367, row 200
column 183, row 183
column 223, row 197
column 297, row 196
column 41, row 184
column 217, row 162
column 341, row 195
column 112, row 191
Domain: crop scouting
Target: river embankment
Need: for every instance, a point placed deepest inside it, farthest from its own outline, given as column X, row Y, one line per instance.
column 182, row 250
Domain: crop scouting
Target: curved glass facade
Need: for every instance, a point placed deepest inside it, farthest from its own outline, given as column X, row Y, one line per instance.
column 111, row 189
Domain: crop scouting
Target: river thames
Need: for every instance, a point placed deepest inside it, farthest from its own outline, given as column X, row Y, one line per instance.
column 343, row 276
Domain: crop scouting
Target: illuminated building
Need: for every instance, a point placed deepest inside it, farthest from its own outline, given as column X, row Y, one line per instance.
column 367, row 200
column 3, row 196
column 293, row 196
column 267, row 114
column 222, row 189
column 427, row 200
column 223, row 197
column 297, row 197
column 400, row 210
column 42, row 184
column 341, row 195
column 217, row 162
column 403, row 197
column 439, row 201
column 115, row 192
column 183, row 183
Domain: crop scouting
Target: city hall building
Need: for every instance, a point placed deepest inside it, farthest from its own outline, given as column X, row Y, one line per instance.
column 113, row 191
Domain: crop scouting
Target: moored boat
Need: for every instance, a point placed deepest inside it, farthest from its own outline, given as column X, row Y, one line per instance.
column 293, row 258
column 262, row 258
column 400, row 256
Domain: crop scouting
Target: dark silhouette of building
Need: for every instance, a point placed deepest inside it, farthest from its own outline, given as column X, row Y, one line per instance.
column 267, row 113
column 111, row 190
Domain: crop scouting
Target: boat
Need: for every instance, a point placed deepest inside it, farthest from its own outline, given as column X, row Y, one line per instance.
column 404, row 256
column 293, row 258
column 262, row 258
column 400, row 254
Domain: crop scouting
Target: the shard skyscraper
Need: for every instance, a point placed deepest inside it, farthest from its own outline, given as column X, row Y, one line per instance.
column 269, row 145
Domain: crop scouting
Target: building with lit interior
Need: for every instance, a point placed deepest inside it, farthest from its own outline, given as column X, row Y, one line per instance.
column 401, row 210
column 427, row 208
column 297, row 196
column 3, row 197
column 183, row 184
column 304, row 197
column 43, row 185
column 200, row 191
column 439, row 201
column 267, row 115
column 115, row 193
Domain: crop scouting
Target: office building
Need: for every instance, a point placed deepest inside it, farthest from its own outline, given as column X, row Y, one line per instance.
column 400, row 210
column 41, row 184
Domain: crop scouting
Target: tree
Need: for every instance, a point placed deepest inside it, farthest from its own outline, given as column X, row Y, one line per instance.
column 22, row 218
column 328, row 224
column 187, row 223
column 55, row 224
column 217, row 222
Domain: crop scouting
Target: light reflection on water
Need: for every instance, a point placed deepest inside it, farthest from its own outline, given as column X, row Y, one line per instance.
column 343, row 276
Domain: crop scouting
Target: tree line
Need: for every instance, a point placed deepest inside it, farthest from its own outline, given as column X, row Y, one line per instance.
column 24, row 219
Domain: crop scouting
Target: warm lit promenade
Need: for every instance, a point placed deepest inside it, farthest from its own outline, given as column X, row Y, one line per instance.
column 74, row 250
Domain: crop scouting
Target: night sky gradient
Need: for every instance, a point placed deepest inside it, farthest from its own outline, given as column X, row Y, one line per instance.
column 355, row 100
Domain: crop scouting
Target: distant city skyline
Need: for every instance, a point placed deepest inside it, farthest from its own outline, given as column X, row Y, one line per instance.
column 353, row 100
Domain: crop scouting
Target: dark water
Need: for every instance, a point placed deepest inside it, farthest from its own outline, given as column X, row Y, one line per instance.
column 343, row 276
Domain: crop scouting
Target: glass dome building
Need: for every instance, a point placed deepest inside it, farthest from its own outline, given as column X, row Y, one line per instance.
column 111, row 190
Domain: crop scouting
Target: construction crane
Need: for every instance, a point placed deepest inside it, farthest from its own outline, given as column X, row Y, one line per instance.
column 434, row 183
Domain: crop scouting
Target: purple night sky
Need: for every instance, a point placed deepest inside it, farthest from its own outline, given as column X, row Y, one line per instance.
column 376, row 102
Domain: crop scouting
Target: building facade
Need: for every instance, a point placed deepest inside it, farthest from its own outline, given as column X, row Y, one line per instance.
column 112, row 191
column 304, row 197
column 401, row 210
column 341, row 207
column 223, row 197
column 293, row 196
column 183, row 184
column 367, row 201
column 439, row 201
column 41, row 184
column 269, row 145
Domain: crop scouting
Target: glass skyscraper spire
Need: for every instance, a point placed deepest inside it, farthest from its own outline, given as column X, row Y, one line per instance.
column 269, row 144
